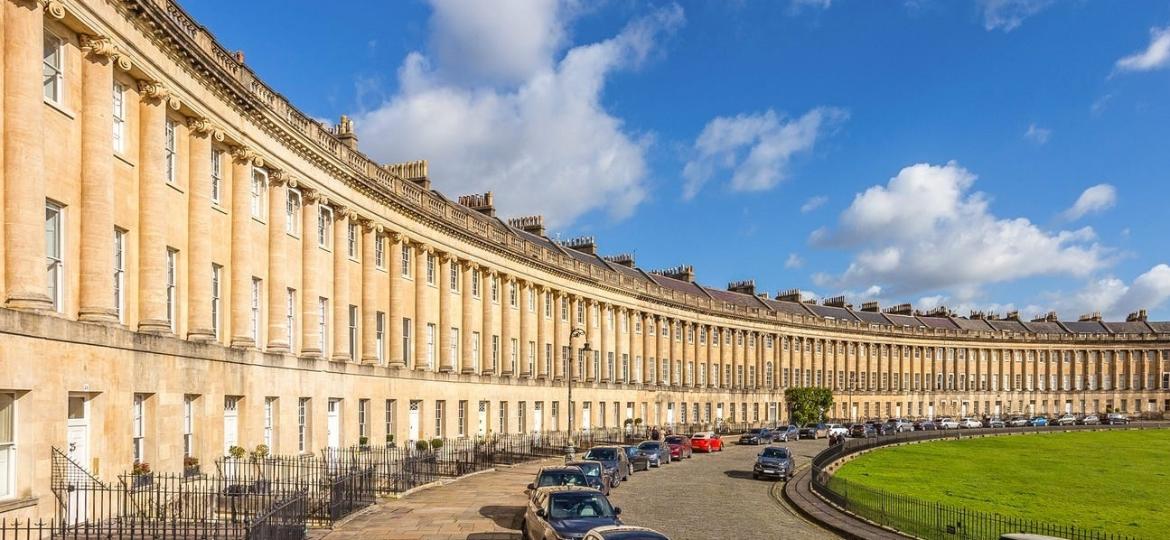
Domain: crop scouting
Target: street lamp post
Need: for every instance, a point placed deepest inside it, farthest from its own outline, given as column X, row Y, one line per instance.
column 570, row 447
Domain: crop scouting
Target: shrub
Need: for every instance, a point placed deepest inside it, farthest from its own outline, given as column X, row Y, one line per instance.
column 237, row 452
column 260, row 452
column 421, row 446
column 190, row 461
column 140, row 468
column 436, row 444
column 363, row 441
column 389, row 438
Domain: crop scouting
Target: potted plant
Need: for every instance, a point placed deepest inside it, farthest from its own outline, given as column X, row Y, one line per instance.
column 436, row 443
column 421, row 446
column 390, row 440
column 364, row 443
column 237, row 452
column 141, row 475
column 190, row 466
column 260, row 452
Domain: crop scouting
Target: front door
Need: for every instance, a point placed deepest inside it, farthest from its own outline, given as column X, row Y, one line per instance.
column 231, row 424
column 483, row 416
column 585, row 416
column 412, row 420
column 538, row 417
column 77, row 448
column 333, row 424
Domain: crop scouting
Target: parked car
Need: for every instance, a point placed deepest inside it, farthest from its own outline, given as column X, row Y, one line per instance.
column 613, row 458
column 862, row 430
column 838, row 429
column 969, row 423
column 994, row 422
column 638, row 461
column 897, row 425
column 1089, row 420
column 559, row 475
column 814, row 431
column 567, row 512
column 925, row 424
column 879, row 427
column 1065, row 420
column 786, row 433
column 1116, row 419
column 595, row 474
column 706, row 441
column 947, row 422
column 680, row 446
column 624, row 532
column 1038, row 421
column 657, row 452
column 756, row 436
column 1017, row 421
column 774, row 462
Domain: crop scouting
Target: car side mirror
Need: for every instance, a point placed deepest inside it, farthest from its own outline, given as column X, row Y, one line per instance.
column 540, row 513
column 761, row 454
column 617, row 511
column 531, row 486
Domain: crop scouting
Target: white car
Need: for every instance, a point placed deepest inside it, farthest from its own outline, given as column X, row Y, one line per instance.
column 970, row 423
column 838, row 429
column 948, row 423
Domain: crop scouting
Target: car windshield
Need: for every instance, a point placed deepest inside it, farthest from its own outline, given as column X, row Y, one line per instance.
column 648, row 446
column 756, row 431
column 603, row 454
column 578, row 505
column 561, row 478
column 699, row 436
column 777, row 453
column 674, row 439
column 590, row 469
column 631, row 451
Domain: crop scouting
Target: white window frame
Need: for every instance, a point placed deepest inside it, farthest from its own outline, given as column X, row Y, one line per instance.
column 431, row 331
column 216, row 176
column 406, row 253
column 302, row 424
column 270, row 423
column 379, row 251
column 259, row 192
column 216, row 311
column 120, row 274
column 171, row 151
column 353, row 332
column 118, row 114
column 323, row 323
column 257, row 299
column 172, row 287
column 290, row 318
column 55, row 253
column 351, row 234
column 189, row 425
column 138, row 429
column 407, row 326
column 380, row 336
column 53, row 90
column 292, row 212
column 324, row 226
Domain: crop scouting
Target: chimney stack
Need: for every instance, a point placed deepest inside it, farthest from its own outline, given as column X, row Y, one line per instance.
column 900, row 309
column 412, row 171
column 1137, row 316
column 836, row 301
column 624, row 259
column 344, row 132
column 747, row 286
column 1094, row 316
column 682, row 272
column 529, row 224
column 791, row 295
column 871, row 306
column 1013, row 315
column 584, row 244
column 481, row 203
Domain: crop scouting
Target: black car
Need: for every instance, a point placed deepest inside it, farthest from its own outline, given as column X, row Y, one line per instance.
column 657, row 452
column 595, row 473
column 756, row 436
column 567, row 512
column 638, row 460
column 862, row 431
column 925, row 425
column 558, row 476
column 613, row 458
column 624, row 532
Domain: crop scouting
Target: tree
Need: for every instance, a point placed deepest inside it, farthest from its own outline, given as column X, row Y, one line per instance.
column 808, row 405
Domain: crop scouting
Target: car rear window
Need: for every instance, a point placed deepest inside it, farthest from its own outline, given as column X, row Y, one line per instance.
column 607, row 454
column 674, row 439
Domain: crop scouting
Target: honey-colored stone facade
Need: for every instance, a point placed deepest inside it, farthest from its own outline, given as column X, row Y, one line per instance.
column 224, row 270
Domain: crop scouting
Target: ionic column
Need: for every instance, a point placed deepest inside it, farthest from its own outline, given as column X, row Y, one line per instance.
column 152, row 213
column 96, row 290
column 541, row 333
column 277, row 261
column 370, row 232
column 199, row 322
column 558, row 331
column 525, row 329
column 507, row 318
column 241, row 270
column 606, row 344
column 421, row 307
column 488, row 322
column 397, row 290
column 24, row 167
column 310, row 293
column 446, row 362
column 341, row 352
column 467, row 364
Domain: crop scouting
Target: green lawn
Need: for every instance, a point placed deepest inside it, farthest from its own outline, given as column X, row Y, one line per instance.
column 1116, row 481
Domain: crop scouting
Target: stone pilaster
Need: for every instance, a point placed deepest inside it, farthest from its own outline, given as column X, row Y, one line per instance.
column 397, row 290
column 446, row 362
column 467, row 365
column 277, row 261
column 242, row 250
column 542, row 363
column 199, row 322
column 371, row 232
column 96, row 286
column 525, row 328
column 341, row 351
column 310, row 292
column 24, row 167
column 488, row 322
column 152, row 216
column 421, row 308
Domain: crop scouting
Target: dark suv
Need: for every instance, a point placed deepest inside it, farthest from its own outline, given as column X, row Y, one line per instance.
column 595, row 474
column 774, row 462
column 558, row 476
column 613, row 458
column 756, row 436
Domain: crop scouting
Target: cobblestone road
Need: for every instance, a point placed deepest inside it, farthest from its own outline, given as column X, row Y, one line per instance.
column 714, row 496
column 708, row 496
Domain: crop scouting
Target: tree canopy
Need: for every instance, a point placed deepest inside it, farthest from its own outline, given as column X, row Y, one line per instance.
column 808, row 405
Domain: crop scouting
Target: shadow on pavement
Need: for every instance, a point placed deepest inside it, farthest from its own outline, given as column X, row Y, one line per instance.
column 507, row 517
column 741, row 475
column 494, row 536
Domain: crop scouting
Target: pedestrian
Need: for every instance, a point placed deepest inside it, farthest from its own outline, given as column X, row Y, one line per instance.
column 654, row 434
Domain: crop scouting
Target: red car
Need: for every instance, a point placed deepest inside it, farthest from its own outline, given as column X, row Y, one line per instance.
column 706, row 441
column 680, row 446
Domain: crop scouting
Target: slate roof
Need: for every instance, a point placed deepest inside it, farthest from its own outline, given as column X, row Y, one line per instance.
column 1084, row 327
column 739, row 299
column 828, row 312
column 871, row 317
column 1007, row 326
column 791, row 308
column 939, row 322
column 905, row 320
column 974, row 325
column 1133, row 327
column 1045, row 327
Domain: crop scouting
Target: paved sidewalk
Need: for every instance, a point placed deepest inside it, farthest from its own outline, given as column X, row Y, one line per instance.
column 798, row 491
column 486, row 506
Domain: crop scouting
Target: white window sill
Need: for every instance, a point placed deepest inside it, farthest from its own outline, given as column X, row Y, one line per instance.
column 218, row 208
column 259, row 220
column 175, row 187
column 61, row 109
column 122, row 157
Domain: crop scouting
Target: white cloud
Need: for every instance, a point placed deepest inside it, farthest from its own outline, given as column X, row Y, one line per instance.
column 545, row 144
column 793, row 261
column 1007, row 15
column 1114, row 298
column 1095, row 199
column 795, row 6
column 1156, row 55
column 926, row 231
column 1037, row 134
column 756, row 148
column 813, row 203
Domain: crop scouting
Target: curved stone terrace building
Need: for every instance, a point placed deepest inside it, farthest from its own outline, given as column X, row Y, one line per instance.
column 189, row 263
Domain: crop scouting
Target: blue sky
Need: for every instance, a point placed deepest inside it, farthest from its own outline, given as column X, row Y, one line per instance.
column 995, row 154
